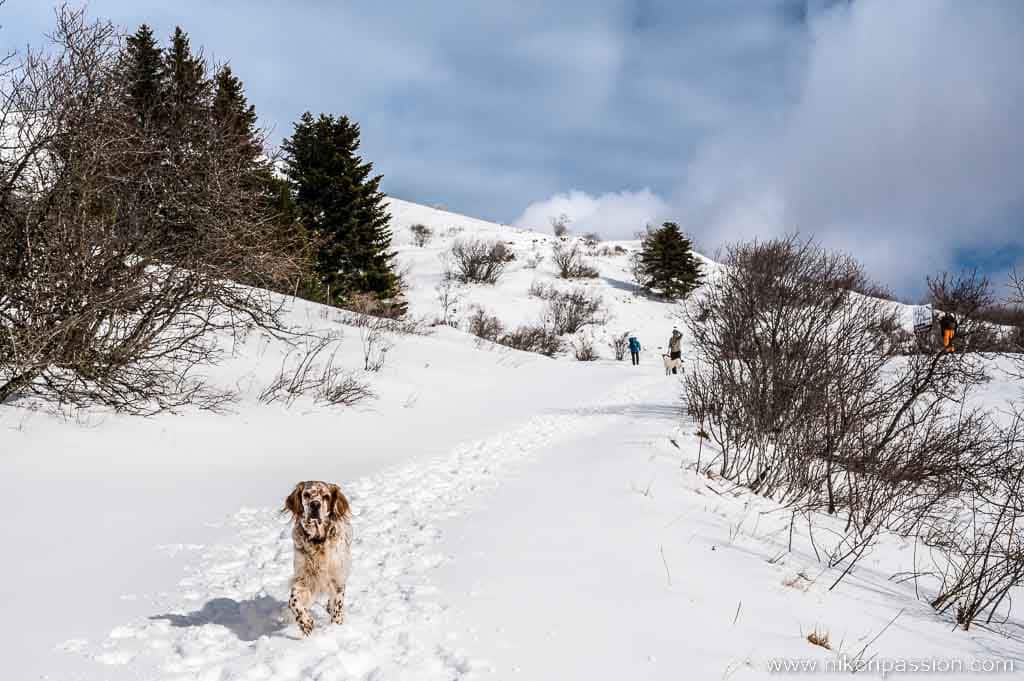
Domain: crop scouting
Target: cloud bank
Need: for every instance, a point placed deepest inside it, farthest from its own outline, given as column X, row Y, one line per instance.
column 615, row 215
column 902, row 143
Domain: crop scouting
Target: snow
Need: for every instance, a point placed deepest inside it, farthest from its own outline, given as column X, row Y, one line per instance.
column 515, row 517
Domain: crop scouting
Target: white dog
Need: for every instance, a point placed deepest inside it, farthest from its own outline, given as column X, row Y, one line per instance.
column 671, row 364
column 322, row 537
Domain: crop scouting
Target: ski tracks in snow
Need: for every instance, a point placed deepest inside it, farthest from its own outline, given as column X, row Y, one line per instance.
column 226, row 619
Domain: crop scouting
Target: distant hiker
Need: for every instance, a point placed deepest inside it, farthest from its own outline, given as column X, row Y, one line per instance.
column 675, row 350
column 948, row 325
column 634, row 350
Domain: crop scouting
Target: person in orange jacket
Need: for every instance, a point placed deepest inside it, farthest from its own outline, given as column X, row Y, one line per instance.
column 948, row 325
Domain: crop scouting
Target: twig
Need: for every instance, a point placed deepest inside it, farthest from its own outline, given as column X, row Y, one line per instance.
column 668, row 574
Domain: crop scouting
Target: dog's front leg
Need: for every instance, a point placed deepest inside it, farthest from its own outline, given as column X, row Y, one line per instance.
column 298, row 602
column 336, row 604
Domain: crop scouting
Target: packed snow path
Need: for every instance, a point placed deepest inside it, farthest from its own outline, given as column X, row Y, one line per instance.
column 227, row 619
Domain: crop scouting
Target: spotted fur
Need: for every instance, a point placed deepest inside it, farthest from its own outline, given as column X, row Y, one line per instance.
column 322, row 538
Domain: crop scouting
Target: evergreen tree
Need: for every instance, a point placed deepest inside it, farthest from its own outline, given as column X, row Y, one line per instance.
column 187, row 87
column 340, row 203
column 236, row 116
column 667, row 263
column 141, row 67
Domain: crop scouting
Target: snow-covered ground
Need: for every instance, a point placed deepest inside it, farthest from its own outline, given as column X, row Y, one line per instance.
column 515, row 517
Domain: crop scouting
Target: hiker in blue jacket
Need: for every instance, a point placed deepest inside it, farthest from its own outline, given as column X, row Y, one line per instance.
column 634, row 350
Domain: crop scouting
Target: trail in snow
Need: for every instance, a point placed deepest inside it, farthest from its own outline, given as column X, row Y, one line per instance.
column 226, row 620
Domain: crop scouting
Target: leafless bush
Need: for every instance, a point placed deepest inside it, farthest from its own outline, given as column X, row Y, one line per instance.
column 479, row 261
column 309, row 370
column 534, row 261
column 592, row 238
column 449, row 296
column 966, row 296
column 344, row 389
column 120, row 245
column 978, row 544
column 485, row 326
column 539, row 289
column 534, row 338
column 376, row 343
column 560, row 225
column 607, row 251
column 570, row 262
column 619, row 344
column 583, row 349
column 421, row 234
column 570, row 311
column 798, row 382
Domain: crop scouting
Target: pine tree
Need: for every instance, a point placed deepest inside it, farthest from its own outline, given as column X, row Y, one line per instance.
column 141, row 66
column 667, row 263
column 236, row 116
column 341, row 204
column 185, row 82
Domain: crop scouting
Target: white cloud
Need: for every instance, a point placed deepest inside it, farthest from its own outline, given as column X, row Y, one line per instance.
column 615, row 215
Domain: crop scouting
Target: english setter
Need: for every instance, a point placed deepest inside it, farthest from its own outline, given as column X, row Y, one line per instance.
column 322, row 537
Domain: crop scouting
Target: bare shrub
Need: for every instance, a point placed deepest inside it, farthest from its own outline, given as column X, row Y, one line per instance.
column 478, row 261
column 583, row 349
column 568, row 312
column 309, row 370
column 560, row 225
column 570, row 261
column 797, row 381
column 619, row 344
column 485, row 326
column 539, row 289
column 592, row 238
column 534, row 261
column 978, row 543
column 121, row 245
column 375, row 346
column 449, row 296
column 534, row 338
column 421, row 234
column 966, row 296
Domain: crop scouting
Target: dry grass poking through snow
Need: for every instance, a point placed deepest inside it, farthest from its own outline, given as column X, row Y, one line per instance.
column 819, row 638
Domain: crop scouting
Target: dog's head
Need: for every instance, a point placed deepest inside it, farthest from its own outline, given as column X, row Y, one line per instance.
column 315, row 505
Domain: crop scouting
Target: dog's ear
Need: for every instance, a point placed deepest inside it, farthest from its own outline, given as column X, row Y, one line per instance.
column 339, row 503
column 293, row 504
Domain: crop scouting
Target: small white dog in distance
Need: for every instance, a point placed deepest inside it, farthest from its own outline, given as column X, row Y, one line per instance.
column 671, row 364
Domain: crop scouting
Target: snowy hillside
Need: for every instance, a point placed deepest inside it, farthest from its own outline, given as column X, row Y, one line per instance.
column 515, row 516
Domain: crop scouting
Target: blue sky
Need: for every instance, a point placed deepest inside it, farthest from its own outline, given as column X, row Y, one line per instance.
column 892, row 130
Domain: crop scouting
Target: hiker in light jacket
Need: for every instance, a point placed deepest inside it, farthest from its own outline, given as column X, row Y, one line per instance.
column 634, row 350
column 675, row 350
